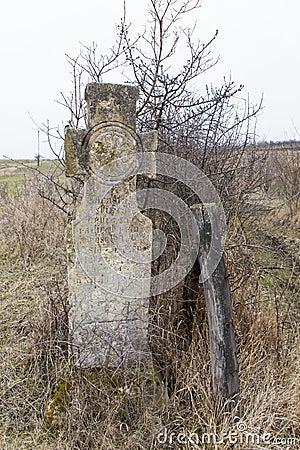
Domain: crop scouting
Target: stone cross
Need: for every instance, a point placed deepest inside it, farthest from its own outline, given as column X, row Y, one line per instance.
column 109, row 241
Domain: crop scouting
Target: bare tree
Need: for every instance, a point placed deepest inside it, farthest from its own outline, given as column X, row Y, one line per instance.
column 284, row 167
column 210, row 126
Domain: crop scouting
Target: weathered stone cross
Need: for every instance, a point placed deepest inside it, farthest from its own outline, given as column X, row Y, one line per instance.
column 108, row 315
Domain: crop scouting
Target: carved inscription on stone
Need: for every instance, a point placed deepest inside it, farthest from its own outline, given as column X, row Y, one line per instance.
column 109, row 240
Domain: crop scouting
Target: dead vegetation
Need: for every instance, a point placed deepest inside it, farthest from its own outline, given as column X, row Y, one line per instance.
column 46, row 403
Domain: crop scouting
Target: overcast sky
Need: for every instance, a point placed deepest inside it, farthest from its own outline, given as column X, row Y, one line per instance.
column 258, row 45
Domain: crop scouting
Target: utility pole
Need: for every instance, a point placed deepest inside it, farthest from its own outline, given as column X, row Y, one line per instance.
column 38, row 157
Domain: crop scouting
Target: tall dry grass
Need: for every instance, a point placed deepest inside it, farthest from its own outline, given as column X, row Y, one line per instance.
column 48, row 404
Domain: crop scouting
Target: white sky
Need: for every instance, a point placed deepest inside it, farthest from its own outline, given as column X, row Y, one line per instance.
column 258, row 45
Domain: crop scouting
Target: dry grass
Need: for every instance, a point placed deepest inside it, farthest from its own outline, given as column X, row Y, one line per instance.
column 91, row 411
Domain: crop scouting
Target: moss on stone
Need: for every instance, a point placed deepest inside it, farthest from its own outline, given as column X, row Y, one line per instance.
column 133, row 388
column 57, row 404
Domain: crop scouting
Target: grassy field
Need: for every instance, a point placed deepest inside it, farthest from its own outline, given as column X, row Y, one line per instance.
column 48, row 404
column 15, row 173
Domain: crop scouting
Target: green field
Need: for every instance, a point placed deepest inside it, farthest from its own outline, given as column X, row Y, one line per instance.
column 15, row 173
